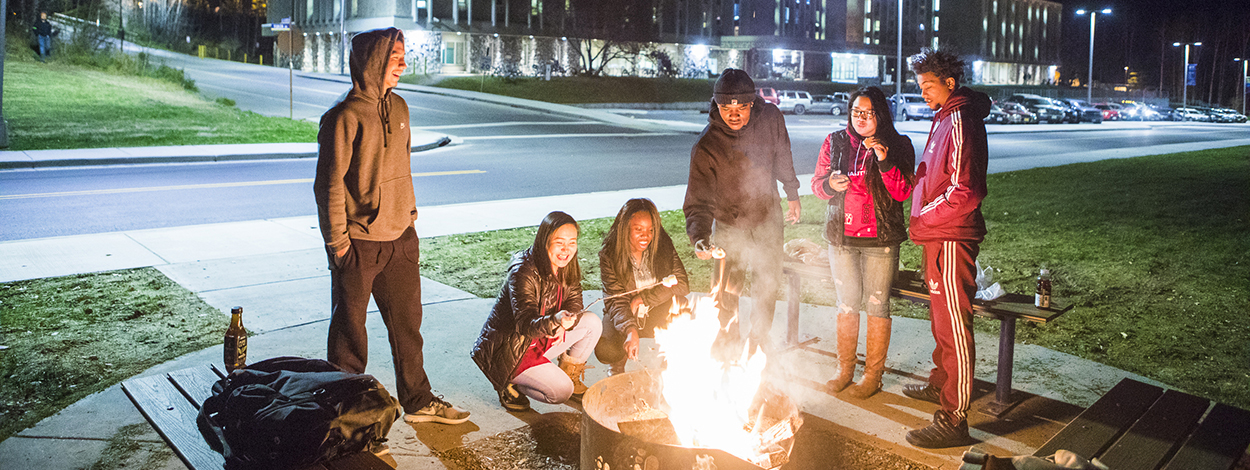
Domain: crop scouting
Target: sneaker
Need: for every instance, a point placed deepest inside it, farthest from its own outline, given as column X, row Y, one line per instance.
column 944, row 432
column 512, row 399
column 924, row 392
column 438, row 411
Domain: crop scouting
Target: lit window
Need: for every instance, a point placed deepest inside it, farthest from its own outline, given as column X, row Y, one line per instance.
column 935, row 24
column 937, row 5
column 935, row 42
column 867, row 26
column 867, row 7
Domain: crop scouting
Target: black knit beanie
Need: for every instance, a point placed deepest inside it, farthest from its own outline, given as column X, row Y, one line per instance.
column 733, row 86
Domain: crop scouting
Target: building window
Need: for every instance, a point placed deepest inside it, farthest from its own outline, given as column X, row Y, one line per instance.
column 453, row 53
column 935, row 43
column 937, row 5
column 935, row 24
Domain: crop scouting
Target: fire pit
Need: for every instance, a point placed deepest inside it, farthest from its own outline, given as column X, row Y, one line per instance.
column 632, row 402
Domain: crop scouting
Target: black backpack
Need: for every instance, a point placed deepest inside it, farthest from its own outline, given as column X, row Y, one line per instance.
column 291, row 412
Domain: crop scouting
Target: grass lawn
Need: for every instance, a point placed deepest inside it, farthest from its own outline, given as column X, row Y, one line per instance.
column 1151, row 250
column 575, row 90
column 64, row 338
column 61, row 106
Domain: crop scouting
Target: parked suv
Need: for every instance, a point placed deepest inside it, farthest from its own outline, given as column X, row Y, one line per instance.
column 1087, row 113
column 828, row 104
column 913, row 105
column 769, row 95
column 1041, row 106
column 796, row 101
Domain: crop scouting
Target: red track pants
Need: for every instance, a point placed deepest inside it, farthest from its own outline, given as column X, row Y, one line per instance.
column 950, row 273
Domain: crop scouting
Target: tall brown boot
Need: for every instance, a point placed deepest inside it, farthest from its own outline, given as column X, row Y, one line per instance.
column 874, row 363
column 848, row 341
column 575, row 370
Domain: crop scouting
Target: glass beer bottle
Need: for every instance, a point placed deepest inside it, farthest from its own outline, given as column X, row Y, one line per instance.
column 1042, row 299
column 236, row 341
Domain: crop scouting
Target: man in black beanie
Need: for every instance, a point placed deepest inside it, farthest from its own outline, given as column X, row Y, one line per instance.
column 732, row 202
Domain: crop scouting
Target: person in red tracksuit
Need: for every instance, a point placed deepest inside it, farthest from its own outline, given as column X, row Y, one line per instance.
column 946, row 222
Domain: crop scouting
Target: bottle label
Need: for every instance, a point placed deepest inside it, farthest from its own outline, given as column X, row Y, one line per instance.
column 1041, row 301
column 235, row 352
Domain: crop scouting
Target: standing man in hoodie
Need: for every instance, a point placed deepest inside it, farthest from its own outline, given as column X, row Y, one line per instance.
column 946, row 222
column 732, row 202
column 366, row 208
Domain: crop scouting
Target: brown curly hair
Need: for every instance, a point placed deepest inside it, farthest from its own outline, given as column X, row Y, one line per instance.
column 940, row 63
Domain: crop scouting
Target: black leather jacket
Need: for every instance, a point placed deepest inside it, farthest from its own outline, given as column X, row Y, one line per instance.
column 528, row 306
column 618, row 279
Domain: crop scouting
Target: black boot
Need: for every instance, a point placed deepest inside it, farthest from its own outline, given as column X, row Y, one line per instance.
column 946, row 431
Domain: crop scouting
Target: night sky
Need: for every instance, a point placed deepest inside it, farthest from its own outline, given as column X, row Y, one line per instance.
column 1139, row 34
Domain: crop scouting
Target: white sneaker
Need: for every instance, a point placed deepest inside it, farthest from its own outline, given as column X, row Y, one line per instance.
column 438, row 411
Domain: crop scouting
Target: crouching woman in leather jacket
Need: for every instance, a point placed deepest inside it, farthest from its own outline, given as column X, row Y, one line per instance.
column 538, row 319
column 637, row 253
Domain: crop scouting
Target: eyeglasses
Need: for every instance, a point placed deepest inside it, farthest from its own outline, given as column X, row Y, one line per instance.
column 861, row 114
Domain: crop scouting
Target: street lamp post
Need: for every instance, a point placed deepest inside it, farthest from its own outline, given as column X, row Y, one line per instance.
column 1185, row 72
column 1244, row 81
column 1089, row 95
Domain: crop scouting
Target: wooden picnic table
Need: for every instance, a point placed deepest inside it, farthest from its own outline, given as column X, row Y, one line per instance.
column 909, row 285
column 171, row 402
column 1141, row 426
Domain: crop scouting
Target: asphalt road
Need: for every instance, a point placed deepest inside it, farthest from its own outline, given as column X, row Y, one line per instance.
column 507, row 153
column 502, row 165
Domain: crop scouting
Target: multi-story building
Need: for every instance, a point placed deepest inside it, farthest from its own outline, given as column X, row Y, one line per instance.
column 1006, row 41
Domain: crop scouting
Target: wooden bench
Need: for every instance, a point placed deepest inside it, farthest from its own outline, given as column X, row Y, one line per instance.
column 1141, row 426
column 909, row 285
column 170, row 402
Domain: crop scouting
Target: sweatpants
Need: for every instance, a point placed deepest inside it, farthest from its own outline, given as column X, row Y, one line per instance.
column 758, row 249
column 391, row 272
column 950, row 273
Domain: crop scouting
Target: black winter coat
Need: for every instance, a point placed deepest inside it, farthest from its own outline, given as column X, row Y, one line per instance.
column 528, row 306
column 734, row 174
column 618, row 279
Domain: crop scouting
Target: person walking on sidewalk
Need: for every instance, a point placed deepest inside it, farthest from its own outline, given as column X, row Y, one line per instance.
column 366, row 208
column 946, row 222
column 731, row 201
column 538, row 319
column 865, row 173
column 637, row 253
column 43, row 35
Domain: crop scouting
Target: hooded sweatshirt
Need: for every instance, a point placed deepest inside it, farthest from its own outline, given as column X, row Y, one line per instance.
column 364, row 177
column 734, row 174
column 950, row 180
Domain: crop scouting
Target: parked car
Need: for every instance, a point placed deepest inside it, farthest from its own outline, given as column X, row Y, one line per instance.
column 913, row 105
column 996, row 116
column 769, row 95
column 1086, row 112
column 1070, row 113
column 1190, row 114
column 1163, row 113
column 1237, row 117
column 795, row 101
column 1018, row 114
column 827, row 104
column 1138, row 112
column 1109, row 113
column 1043, row 107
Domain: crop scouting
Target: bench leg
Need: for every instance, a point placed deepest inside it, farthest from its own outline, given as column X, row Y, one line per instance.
column 792, row 310
column 1006, row 361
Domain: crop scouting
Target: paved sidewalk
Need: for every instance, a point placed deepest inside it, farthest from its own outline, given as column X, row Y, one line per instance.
column 276, row 269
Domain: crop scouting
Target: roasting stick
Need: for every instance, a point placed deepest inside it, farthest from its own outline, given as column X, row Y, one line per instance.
column 669, row 281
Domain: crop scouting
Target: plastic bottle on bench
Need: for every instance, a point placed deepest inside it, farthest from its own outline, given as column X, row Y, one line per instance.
column 1042, row 299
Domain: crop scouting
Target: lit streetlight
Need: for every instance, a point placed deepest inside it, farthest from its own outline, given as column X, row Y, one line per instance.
column 1244, row 80
column 1089, row 95
column 1185, row 72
